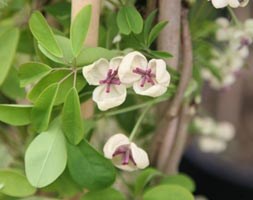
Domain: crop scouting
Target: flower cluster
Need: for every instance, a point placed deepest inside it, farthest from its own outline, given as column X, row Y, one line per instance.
column 230, row 60
column 125, row 154
column 231, row 3
column 215, row 136
column 113, row 77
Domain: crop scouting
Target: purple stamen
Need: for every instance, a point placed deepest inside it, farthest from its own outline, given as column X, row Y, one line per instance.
column 146, row 76
column 245, row 42
column 126, row 154
column 111, row 79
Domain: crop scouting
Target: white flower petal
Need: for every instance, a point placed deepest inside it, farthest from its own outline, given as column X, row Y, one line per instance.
column 158, row 66
column 129, row 63
column 115, row 63
column 95, row 72
column 140, row 157
column 223, row 22
column 115, row 97
column 234, row 3
column 225, row 131
column 219, row 3
column 113, row 143
column 149, row 89
column 211, row 145
column 130, row 167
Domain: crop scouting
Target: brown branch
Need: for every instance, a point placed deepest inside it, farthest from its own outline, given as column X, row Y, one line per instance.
column 169, row 40
column 166, row 138
column 184, row 117
column 186, row 73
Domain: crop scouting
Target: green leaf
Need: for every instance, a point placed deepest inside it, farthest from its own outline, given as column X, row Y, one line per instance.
column 65, row 46
column 92, row 54
column 65, row 186
column 8, row 41
column 11, row 86
column 64, row 86
column 168, row 192
column 72, row 124
column 181, row 180
column 31, row 72
column 39, row 198
column 129, row 20
column 148, row 25
column 160, row 54
column 15, row 184
column 16, row 115
column 43, row 107
column 144, row 178
column 156, row 31
column 46, row 156
column 44, row 34
column 79, row 29
column 107, row 194
column 89, row 168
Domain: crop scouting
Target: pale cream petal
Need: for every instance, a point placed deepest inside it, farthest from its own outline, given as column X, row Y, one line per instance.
column 140, row 156
column 219, row 3
column 149, row 89
column 113, row 143
column 115, row 62
column 95, row 72
column 129, row 63
column 225, row 131
column 211, row 145
column 234, row 3
column 129, row 167
column 115, row 97
column 223, row 22
column 158, row 66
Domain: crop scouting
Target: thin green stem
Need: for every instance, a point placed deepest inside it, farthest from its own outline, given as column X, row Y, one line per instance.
column 130, row 108
column 65, row 77
column 74, row 81
column 234, row 17
column 138, row 123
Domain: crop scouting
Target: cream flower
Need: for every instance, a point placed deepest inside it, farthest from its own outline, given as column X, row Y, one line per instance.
column 148, row 78
column 231, row 3
column 110, row 91
column 211, row 145
column 125, row 154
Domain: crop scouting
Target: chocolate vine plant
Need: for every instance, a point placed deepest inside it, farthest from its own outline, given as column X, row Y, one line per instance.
column 88, row 108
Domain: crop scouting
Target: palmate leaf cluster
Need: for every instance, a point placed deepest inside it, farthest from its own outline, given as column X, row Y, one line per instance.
column 42, row 89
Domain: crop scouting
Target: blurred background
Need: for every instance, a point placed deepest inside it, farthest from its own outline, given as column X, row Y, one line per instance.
column 229, row 174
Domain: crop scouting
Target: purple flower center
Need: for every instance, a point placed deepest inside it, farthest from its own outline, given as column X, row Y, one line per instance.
column 126, row 154
column 111, row 79
column 245, row 42
column 146, row 76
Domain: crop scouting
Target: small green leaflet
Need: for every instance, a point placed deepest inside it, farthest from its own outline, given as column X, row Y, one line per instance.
column 43, row 107
column 79, row 29
column 129, row 20
column 8, row 41
column 72, row 123
column 31, row 72
column 155, row 31
column 44, row 34
column 180, row 179
column 46, row 156
column 16, row 115
column 168, row 192
column 15, row 184
column 89, row 168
